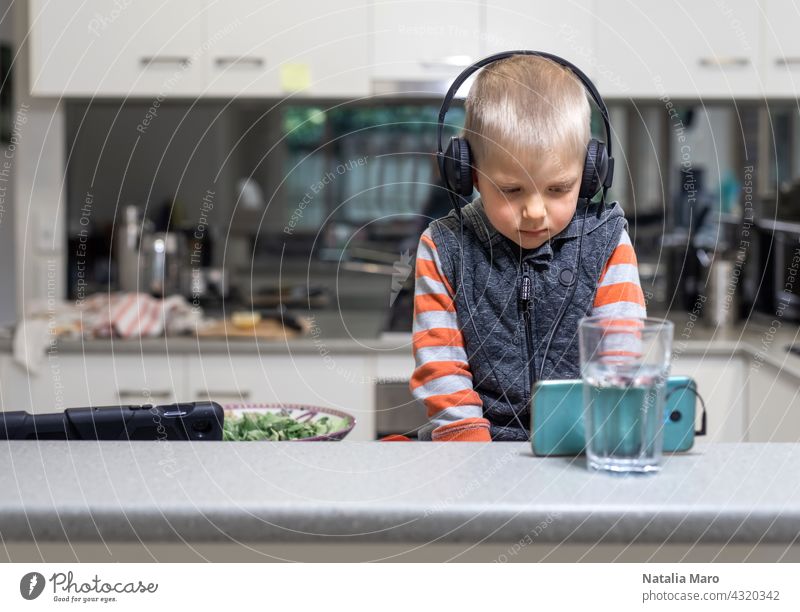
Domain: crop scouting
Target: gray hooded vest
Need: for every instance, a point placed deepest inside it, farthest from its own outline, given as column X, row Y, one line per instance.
column 508, row 299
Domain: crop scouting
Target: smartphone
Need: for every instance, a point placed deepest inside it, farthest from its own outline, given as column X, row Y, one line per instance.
column 557, row 416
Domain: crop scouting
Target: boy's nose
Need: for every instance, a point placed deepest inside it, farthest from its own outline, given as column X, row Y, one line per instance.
column 534, row 209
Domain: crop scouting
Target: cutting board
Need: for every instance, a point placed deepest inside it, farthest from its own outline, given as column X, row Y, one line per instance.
column 267, row 329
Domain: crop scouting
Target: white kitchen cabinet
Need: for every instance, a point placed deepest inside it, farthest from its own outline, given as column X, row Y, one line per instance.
column 774, row 403
column 279, row 48
column 781, row 63
column 721, row 380
column 563, row 29
column 395, row 365
column 681, row 49
column 189, row 48
column 16, row 387
column 100, row 48
column 343, row 382
column 71, row 379
column 424, row 41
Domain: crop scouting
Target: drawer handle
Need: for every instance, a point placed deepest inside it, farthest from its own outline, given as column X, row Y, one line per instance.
column 163, row 394
column 723, row 62
column 158, row 60
column 449, row 62
column 787, row 62
column 212, row 393
column 241, row 61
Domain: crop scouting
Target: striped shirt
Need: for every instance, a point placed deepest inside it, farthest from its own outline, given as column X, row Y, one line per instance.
column 442, row 379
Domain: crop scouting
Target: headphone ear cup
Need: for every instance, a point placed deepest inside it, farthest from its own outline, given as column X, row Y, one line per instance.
column 595, row 168
column 458, row 167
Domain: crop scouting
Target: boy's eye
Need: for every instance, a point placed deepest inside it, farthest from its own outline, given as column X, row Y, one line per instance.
column 509, row 190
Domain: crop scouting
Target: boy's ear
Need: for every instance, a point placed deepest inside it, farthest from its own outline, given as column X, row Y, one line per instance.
column 475, row 178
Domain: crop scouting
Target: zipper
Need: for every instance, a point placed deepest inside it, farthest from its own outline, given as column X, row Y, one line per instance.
column 526, row 291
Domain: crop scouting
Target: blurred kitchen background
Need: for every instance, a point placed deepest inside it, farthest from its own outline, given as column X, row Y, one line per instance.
column 277, row 157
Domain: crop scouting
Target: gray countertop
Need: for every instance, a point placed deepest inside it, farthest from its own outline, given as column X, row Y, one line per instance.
column 389, row 492
column 346, row 331
column 359, row 332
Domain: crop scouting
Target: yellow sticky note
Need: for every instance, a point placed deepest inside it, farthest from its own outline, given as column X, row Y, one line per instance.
column 295, row 77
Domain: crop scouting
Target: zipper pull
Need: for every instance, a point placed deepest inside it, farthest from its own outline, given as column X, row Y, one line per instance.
column 525, row 290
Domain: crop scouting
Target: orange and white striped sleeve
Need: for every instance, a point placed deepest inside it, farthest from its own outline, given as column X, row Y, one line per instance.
column 442, row 379
column 619, row 298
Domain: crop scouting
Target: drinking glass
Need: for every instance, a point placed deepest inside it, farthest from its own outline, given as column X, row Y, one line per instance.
column 625, row 363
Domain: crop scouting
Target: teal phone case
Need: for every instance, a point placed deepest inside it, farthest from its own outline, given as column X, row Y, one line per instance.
column 557, row 416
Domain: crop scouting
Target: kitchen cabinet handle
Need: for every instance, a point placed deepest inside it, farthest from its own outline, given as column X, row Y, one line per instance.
column 445, row 63
column 158, row 60
column 723, row 62
column 212, row 393
column 788, row 62
column 126, row 393
column 240, row 61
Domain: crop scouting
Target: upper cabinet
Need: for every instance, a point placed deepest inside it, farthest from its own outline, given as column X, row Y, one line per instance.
column 223, row 48
column 100, row 48
column 560, row 28
column 423, row 41
column 313, row 47
column 352, row 48
column 682, row 48
column 781, row 49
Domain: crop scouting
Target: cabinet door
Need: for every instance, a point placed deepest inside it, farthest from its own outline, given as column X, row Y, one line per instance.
column 343, row 382
column 650, row 48
column 563, row 29
column 71, row 379
column 721, row 382
column 774, row 402
column 100, row 48
column 279, row 48
column 424, row 41
column 781, row 50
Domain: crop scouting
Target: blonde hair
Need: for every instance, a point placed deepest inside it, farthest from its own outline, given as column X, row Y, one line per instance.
column 527, row 106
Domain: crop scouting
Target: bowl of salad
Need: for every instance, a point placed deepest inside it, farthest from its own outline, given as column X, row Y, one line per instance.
column 284, row 422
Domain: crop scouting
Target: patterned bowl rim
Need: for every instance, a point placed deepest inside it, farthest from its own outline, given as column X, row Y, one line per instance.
column 312, row 410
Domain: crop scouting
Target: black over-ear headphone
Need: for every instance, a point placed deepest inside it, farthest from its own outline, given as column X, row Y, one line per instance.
column 455, row 165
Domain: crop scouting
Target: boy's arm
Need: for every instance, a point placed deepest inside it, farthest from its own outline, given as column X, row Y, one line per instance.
column 442, row 379
column 619, row 295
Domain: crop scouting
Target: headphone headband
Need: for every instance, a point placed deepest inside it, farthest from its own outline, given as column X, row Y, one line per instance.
column 469, row 70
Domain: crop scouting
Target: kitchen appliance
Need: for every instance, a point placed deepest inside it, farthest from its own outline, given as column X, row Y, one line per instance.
column 126, row 248
column 216, row 282
column 397, row 411
column 189, row 421
column 721, row 291
column 785, row 260
column 165, row 269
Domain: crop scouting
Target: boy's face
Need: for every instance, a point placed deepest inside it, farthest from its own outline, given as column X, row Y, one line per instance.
column 529, row 202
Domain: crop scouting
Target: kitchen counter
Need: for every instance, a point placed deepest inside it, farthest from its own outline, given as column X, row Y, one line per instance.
column 238, row 501
column 349, row 331
column 360, row 332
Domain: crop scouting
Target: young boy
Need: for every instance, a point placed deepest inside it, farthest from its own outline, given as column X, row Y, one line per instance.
column 487, row 301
